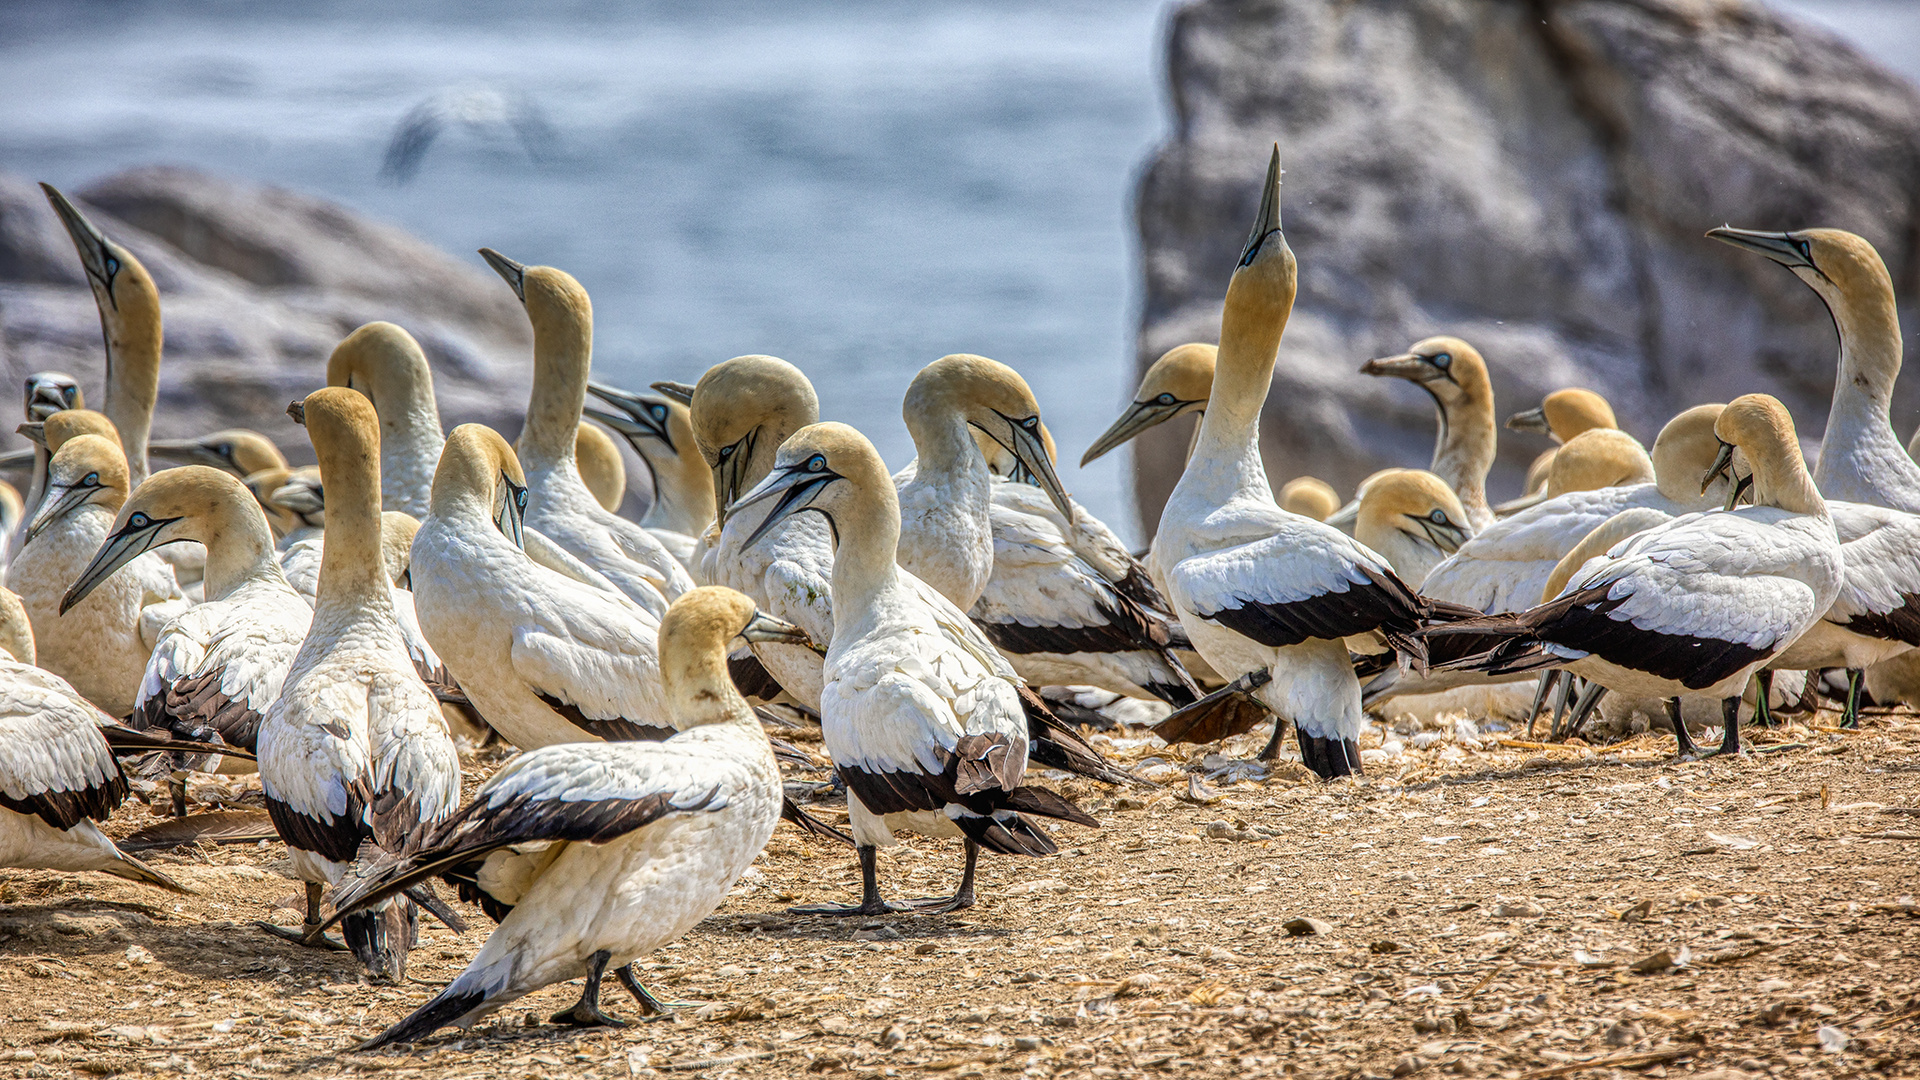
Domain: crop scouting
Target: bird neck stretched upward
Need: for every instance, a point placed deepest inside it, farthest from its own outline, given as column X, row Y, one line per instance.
column 133, row 336
column 1860, row 417
column 353, row 577
column 1226, row 451
column 866, row 527
column 1464, row 447
column 562, row 355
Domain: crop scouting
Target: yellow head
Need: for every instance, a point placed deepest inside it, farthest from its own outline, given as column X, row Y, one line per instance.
column 742, row 410
column 1310, row 497
column 478, row 471
column 995, row 402
column 87, row 470
column 1178, row 383
column 694, row 635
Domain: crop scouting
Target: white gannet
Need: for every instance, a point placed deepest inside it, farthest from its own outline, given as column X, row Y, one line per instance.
column 57, row 774
column 1455, row 375
column 1560, row 415
column 237, row 451
column 660, row 430
column 1696, row 605
column 1861, row 459
column 48, row 392
column 1413, row 519
column 601, row 469
column 1594, row 459
column 355, row 747
column 926, row 725
column 101, row 644
column 1176, row 384
column 559, row 505
column 593, row 855
column 218, row 665
column 1268, row 597
column 544, row 658
column 387, row 366
column 294, row 502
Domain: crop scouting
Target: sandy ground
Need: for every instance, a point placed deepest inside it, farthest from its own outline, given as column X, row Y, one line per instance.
column 1485, row 907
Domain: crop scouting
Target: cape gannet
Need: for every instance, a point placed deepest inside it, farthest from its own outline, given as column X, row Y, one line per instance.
column 559, row 505
column 387, row 366
column 48, row 392
column 1413, row 519
column 1177, row 384
column 1594, row 459
column 217, row 666
column 1310, row 497
column 1453, row 373
column 57, row 774
column 926, row 726
column 1693, row 606
column 355, row 747
column 660, row 430
column 236, row 451
column 1268, row 597
column 1561, row 416
column 592, row 855
column 600, row 466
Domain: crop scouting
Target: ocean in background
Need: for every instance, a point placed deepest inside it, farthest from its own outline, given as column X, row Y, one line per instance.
column 858, row 188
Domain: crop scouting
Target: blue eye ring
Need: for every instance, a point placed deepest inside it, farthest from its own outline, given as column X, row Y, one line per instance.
column 817, row 463
column 1442, row 360
column 139, row 520
column 1165, row 399
column 1438, row 517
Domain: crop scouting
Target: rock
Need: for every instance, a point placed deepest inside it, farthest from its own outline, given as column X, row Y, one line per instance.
column 257, row 285
column 1304, row 926
column 1532, row 177
column 1518, row 909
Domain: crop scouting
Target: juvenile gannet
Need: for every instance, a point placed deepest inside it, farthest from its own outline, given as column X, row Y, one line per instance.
column 1310, row 497
column 218, row 665
column 1453, row 373
column 1260, row 590
column 1413, row 519
column 601, row 468
column 926, row 729
column 236, row 451
column 1594, row 459
column 101, row 644
column 559, row 504
column 57, row 774
column 386, row 365
column 355, row 747
column 1861, row 459
column 1696, row 605
column 592, row 855
column 1561, row 416
column 660, row 430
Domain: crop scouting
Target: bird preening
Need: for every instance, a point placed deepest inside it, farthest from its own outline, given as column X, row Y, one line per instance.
column 967, row 645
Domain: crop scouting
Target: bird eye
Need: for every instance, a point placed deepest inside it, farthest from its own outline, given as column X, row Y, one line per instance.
column 92, row 479
column 520, row 499
column 817, row 463
column 726, row 452
column 113, row 266
column 1165, row 399
column 224, row 449
column 659, row 413
column 139, row 520
column 1442, row 360
column 1806, row 249
column 1438, row 517
column 1031, row 423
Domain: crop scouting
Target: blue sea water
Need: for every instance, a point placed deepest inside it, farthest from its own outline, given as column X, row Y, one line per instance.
column 858, row 187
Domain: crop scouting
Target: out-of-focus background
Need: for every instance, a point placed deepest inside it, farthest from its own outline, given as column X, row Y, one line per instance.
column 859, row 188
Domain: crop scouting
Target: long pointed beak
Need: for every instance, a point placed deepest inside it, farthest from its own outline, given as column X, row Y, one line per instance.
column 628, row 428
column 1267, row 221
column 1404, row 366
column 678, row 391
column 1032, row 453
column 48, row 399
column 1524, row 502
column 512, row 519
column 1721, row 463
column 764, row 627
column 118, row 550
column 301, row 498
column 515, row 273
column 1740, row 486
column 58, row 503
column 729, row 475
column 1140, row 416
column 796, row 487
column 1778, row 246
column 1446, row 535
column 1534, row 420
column 640, row 411
column 35, row 432
column 190, row 452
column 90, row 242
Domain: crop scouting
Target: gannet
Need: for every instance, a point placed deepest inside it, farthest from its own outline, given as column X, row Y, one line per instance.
column 57, row 774
column 13, row 512
column 1260, row 590
column 355, row 747
column 592, row 855
column 1453, row 373
column 925, row 725
column 293, row 500
column 1696, row 605
column 1413, row 519
column 1176, row 384
column 559, row 504
column 1309, row 497
column 601, row 469
column 660, row 430
column 386, row 365
column 101, row 644
column 48, row 392
column 218, row 665
column 1861, row 459
column 1560, row 415
column 1594, row 459
column 236, row 451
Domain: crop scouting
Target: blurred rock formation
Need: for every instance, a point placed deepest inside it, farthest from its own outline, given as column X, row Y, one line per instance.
column 1534, row 176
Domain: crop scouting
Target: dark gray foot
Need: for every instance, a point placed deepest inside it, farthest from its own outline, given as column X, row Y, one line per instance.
column 1730, row 717
column 870, row 902
column 301, row 936
column 1851, row 717
column 962, row 897
column 652, row 1008
column 1688, row 751
column 586, row 1012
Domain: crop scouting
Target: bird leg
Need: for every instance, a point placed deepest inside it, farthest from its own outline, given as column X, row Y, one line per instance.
column 1851, row 717
column 870, row 902
column 960, row 900
column 1548, row 679
column 1589, row 700
column 1763, row 698
column 1272, row 750
column 1730, row 717
column 586, row 1012
column 1567, row 684
column 177, row 788
column 650, row 1007
column 1687, row 750
column 305, row 935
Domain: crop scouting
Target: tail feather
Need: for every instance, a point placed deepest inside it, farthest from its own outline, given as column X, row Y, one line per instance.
column 1328, row 757
column 134, row 870
column 1007, row 834
column 792, row 811
column 380, row 937
column 451, row 1005
column 1054, row 745
column 1044, row 802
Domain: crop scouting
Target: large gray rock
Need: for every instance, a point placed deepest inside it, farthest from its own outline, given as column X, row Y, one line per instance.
column 257, row 285
column 1534, row 177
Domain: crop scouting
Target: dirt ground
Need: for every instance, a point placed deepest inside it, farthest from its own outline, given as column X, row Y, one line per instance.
column 1477, row 905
